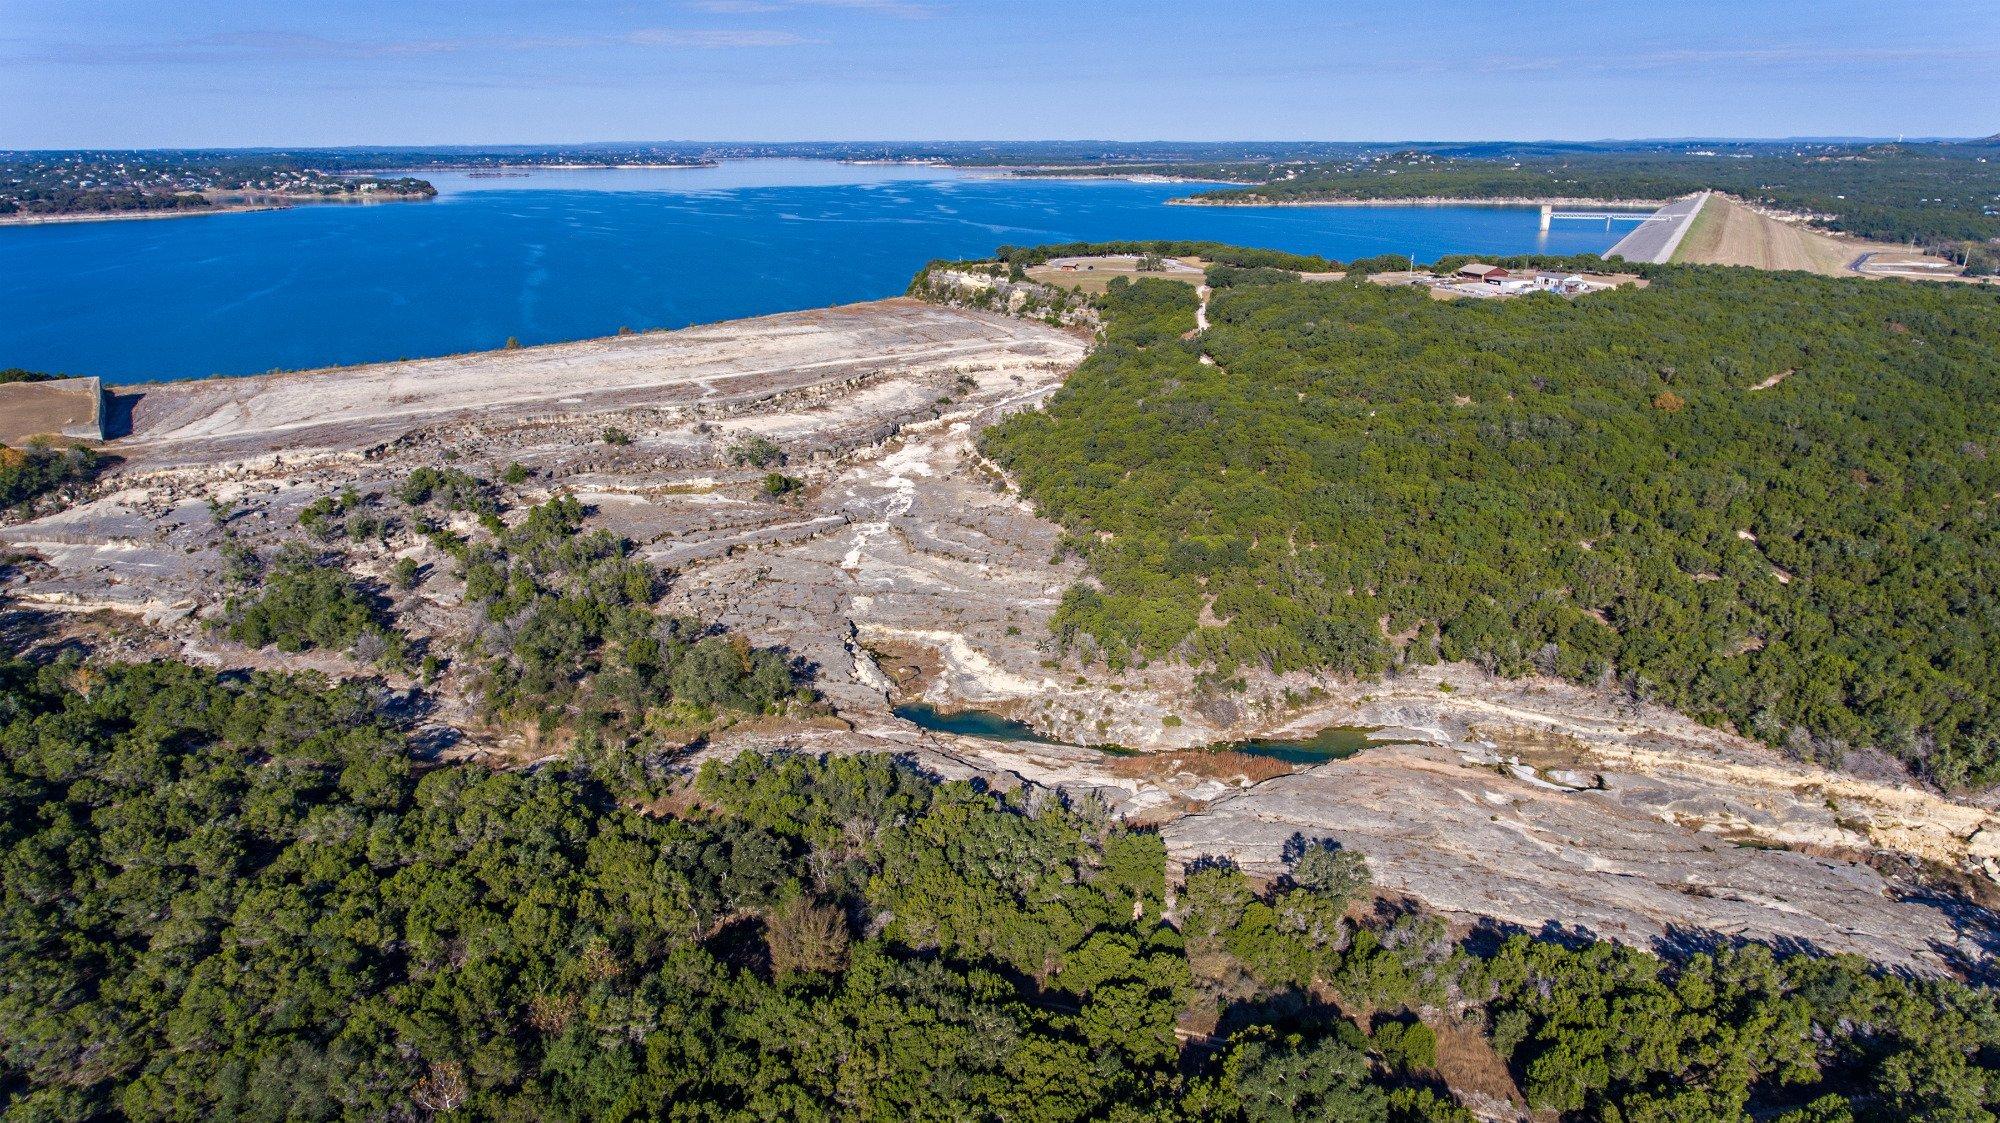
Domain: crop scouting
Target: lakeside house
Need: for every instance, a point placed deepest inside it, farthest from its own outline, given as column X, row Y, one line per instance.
column 1481, row 272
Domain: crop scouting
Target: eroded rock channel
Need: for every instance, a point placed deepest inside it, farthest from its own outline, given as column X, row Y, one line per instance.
column 904, row 570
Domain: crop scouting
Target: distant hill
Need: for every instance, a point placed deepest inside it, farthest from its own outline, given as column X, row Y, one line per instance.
column 1927, row 192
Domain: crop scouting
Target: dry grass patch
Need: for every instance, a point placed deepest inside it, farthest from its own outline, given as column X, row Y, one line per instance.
column 1219, row 764
column 1094, row 274
column 1729, row 232
column 1469, row 1065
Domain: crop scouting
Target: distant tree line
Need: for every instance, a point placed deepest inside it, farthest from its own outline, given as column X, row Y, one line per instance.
column 106, row 182
column 1938, row 195
column 1217, row 252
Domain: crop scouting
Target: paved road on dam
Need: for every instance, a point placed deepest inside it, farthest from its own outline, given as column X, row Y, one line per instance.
column 1658, row 237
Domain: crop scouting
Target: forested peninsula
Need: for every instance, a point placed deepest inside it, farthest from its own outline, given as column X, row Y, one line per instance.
column 1762, row 499
column 59, row 186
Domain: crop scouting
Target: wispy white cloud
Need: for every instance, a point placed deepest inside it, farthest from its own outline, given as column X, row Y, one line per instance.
column 712, row 38
column 1818, row 55
column 235, row 46
column 1735, row 57
column 902, row 9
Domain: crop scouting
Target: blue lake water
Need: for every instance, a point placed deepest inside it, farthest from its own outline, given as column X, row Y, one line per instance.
column 564, row 254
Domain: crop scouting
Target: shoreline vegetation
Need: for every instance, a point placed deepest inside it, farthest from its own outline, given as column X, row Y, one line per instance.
column 535, row 167
column 1090, row 173
column 279, row 203
column 40, row 188
column 1248, row 200
column 1935, row 195
column 63, row 218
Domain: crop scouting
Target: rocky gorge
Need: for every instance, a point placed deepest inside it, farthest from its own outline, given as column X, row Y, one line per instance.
column 906, row 568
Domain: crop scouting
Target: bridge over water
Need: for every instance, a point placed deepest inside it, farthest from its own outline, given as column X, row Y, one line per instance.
column 1550, row 214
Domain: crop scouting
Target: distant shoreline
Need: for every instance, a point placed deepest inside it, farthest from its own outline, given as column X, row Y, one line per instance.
column 415, row 169
column 1055, row 173
column 123, row 216
column 195, row 212
column 1422, row 201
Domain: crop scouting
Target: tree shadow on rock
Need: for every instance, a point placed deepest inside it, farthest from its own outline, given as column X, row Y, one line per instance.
column 31, row 634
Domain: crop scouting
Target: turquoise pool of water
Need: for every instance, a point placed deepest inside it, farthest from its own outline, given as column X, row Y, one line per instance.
column 1328, row 744
column 970, row 723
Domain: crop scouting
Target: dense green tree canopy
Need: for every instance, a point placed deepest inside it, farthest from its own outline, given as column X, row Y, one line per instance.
column 1763, row 499
column 236, row 896
column 568, row 633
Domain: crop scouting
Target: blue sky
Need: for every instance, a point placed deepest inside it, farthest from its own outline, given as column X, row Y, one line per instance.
column 77, row 73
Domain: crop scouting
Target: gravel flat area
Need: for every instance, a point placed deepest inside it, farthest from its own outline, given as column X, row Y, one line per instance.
column 212, row 420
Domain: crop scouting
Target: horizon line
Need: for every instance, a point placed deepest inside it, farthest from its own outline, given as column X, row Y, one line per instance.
column 492, row 145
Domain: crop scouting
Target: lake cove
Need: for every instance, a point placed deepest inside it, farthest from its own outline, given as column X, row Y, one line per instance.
column 578, row 253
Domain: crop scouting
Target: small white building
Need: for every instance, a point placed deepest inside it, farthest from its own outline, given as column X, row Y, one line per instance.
column 1567, row 284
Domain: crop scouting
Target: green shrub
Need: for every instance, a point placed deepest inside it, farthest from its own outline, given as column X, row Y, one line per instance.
column 756, row 452
column 305, row 603
column 27, row 474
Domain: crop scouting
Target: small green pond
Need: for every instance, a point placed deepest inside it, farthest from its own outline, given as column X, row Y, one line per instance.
column 1328, row 744
column 970, row 723
column 1333, row 743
